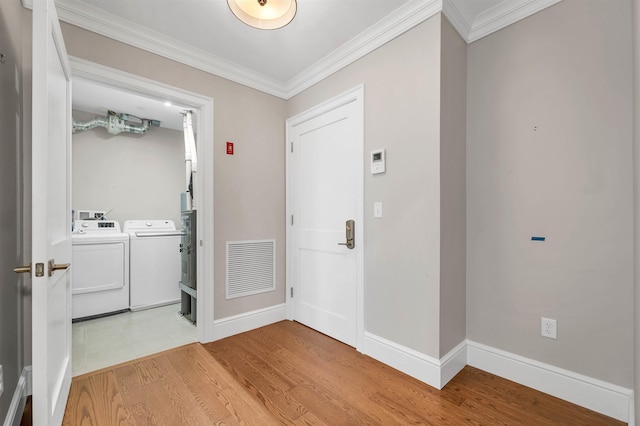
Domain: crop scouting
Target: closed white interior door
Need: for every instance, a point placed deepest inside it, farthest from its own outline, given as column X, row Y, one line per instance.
column 325, row 191
column 51, row 217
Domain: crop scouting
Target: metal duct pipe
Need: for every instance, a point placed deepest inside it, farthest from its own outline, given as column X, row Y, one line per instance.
column 88, row 125
column 146, row 124
column 116, row 123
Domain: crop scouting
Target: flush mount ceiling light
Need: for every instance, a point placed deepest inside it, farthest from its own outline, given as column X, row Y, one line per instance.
column 264, row 14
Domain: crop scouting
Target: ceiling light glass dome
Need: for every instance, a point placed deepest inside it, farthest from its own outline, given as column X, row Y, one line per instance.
column 264, row 14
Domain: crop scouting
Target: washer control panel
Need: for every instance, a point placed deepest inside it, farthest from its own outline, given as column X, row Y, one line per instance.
column 91, row 226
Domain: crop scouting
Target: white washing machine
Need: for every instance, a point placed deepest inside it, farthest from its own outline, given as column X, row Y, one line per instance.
column 100, row 268
column 154, row 263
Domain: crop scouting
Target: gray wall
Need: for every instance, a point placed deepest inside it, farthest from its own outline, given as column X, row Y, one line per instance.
column 403, row 249
column 249, row 196
column 549, row 154
column 402, row 115
column 138, row 176
column 11, row 122
column 453, row 113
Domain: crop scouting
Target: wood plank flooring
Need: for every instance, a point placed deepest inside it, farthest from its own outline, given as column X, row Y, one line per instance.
column 286, row 373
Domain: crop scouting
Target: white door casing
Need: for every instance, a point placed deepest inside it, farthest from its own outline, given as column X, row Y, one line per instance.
column 51, row 216
column 203, row 108
column 325, row 189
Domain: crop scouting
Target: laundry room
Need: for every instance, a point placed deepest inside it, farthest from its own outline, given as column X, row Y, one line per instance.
column 129, row 175
column 129, row 197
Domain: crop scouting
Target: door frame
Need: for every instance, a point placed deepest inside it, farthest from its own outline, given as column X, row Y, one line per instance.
column 355, row 95
column 203, row 189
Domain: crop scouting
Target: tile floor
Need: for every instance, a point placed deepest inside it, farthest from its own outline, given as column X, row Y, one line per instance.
column 103, row 342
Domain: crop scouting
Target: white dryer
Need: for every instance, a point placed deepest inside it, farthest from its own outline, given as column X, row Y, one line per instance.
column 155, row 263
column 100, row 271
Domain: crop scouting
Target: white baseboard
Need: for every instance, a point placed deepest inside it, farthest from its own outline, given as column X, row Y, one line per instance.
column 23, row 389
column 602, row 397
column 452, row 363
column 432, row 371
column 236, row 324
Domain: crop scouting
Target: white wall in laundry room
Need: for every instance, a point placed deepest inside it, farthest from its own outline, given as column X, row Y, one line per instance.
column 138, row 176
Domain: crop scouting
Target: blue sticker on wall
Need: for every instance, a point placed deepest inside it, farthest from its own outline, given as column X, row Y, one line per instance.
column 537, row 238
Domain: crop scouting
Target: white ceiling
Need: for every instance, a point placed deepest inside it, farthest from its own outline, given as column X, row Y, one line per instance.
column 319, row 28
column 98, row 99
column 325, row 35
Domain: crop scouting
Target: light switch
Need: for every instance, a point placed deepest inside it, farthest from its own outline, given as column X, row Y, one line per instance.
column 377, row 209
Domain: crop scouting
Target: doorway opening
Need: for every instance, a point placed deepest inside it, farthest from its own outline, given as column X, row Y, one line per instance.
column 175, row 101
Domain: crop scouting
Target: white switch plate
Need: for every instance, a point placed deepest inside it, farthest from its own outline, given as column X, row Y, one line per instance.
column 377, row 209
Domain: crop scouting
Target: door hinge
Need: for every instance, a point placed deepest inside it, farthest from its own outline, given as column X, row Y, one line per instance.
column 291, row 291
column 291, row 220
column 291, row 146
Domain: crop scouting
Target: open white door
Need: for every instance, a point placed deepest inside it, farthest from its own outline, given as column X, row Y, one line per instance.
column 51, row 217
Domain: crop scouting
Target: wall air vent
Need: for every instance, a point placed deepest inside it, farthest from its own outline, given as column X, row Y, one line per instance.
column 251, row 267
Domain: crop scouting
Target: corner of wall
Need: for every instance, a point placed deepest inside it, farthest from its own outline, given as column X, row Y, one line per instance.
column 452, row 188
column 432, row 371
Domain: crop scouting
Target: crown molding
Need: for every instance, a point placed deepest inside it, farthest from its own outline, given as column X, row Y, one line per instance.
column 506, row 13
column 472, row 28
column 403, row 19
column 458, row 20
column 400, row 21
column 119, row 29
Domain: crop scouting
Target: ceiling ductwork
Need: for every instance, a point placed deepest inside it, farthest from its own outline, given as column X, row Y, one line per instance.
column 116, row 123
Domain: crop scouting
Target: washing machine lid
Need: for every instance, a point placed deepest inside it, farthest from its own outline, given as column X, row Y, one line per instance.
column 152, row 226
column 96, row 226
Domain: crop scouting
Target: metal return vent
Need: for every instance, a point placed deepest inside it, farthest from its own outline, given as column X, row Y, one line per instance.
column 251, row 267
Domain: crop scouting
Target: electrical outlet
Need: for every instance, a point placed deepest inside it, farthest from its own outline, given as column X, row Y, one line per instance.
column 1, row 381
column 549, row 328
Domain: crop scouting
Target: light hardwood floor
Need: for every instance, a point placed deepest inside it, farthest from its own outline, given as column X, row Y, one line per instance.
column 286, row 373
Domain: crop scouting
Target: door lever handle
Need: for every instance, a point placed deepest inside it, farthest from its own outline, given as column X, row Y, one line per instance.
column 23, row 269
column 57, row 266
column 350, row 234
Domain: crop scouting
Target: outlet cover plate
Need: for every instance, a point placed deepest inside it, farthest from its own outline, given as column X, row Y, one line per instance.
column 549, row 328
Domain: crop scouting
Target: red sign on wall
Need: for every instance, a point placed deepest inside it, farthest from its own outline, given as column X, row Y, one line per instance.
column 230, row 148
